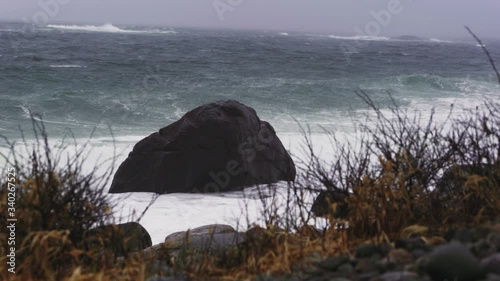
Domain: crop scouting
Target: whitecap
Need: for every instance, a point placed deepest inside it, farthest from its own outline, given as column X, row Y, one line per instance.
column 66, row 66
column 361, row 37
column 108, row 27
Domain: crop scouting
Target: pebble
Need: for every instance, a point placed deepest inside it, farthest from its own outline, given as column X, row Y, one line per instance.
column 397, row 276
column 400, row 256
column 411, row 244
column 333, row 263
column 369, row 250
column 366, row 265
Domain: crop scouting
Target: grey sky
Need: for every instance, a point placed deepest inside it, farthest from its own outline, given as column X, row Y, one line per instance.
column 429, row 18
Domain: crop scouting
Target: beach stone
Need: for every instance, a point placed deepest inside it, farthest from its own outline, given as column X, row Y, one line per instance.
column 400, row 257
column 369, row 250
column 166, row 279
column 206, row 229
column 322, row 205
column 452, row 262
column 333, row 263
column 122, row 239
column 220, row 146
column 366, row 265
column 345, row 269
column 494, row 240
column 483, row 249
column 418, row 253
column 492, row 277
column 411, row 244
column 218, row 241
column 397, row 276
column 491, row 264
column 367, row 276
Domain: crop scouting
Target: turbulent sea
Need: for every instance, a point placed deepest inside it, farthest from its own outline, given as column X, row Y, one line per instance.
column 126, row 82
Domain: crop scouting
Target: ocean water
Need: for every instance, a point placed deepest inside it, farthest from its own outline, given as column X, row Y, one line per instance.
column 125, row 82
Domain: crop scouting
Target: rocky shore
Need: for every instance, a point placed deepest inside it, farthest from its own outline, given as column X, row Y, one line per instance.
column 462, row 254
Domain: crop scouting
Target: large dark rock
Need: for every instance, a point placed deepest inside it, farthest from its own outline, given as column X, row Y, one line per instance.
column 220, row 146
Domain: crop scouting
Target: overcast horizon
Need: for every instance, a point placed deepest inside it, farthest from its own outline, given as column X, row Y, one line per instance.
column 374, row 18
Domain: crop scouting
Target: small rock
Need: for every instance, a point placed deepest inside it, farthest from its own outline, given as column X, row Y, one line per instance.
column 494, row 240
column 452, row 262
column 492, row 277
column 369, row 250
column 397, row 276
column 333, row 263
column 472, row 235
column 206, row 229
column 367, row 276
column 491, row 264
column 122, row 239
column 411, row 244
column 366, row 265
column 400, row 256
column 166, row 279
column 463, row 235
column 346, row 269
column 483, row 249
column 418, row 253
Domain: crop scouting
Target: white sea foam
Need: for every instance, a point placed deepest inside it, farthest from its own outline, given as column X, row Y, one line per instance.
column 178, row 212
column 66, row 66
column 283, row 34
column 361, row 37
column 108, row 27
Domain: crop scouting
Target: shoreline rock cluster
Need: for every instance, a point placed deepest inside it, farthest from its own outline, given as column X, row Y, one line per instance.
column 462, row 255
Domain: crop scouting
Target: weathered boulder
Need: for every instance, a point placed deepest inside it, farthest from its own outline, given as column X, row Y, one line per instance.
column 220, row 146
column 121, row 239
column 202, row 230
column 215, row 236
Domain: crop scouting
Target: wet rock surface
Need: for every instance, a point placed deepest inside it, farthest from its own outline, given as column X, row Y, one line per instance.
column 217, row 147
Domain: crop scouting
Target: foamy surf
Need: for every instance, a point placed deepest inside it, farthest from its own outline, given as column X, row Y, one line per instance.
column 361, row 38
column 108, row 27
column 66, row 66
